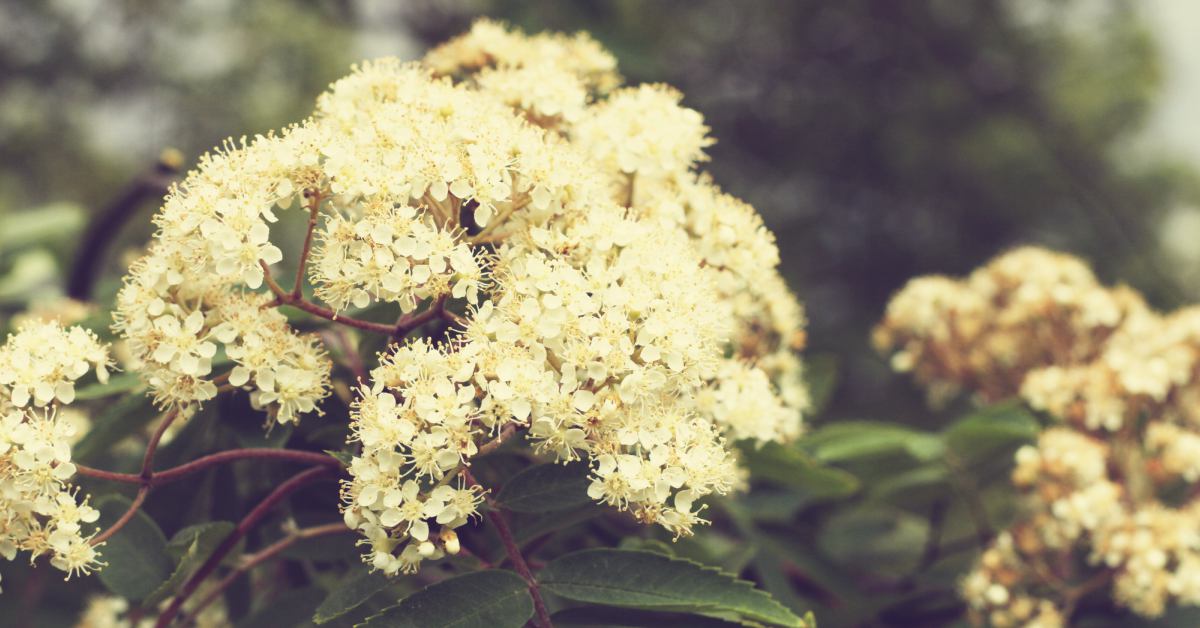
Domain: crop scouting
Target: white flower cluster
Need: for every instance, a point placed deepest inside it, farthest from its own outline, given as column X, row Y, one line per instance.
column 633, row 333
column 190, row 299
column 1124, row 380
column 40, row 512
column 550, row 77
column 492, row 186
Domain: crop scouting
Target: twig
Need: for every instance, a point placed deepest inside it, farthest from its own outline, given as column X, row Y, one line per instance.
column 500, row 521
column 150, row 185
column 125, row 518
column 231, row 540
column 232, row 455
column 495, row 444
column 313, row 212
column 413, row 320
column 283, row 297
column 250, row 561
column 144, row 478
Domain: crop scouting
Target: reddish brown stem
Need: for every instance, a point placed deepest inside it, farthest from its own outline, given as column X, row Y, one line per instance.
column 495, row 444
column 144, row 478
column 500, row 522
column 413, row 320
column 514, row 554
column 250, row 561
column 229, row 542
column 177, row 473
column 125, row 518
column 313, row 212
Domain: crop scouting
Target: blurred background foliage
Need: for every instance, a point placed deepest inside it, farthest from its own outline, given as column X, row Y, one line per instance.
column 881, row 140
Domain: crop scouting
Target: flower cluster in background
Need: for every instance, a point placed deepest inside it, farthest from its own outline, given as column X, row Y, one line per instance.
column 1107, row 493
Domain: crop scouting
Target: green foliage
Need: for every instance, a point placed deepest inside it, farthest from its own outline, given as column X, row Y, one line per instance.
column 350, row 594
column 120, row 419
column 189, row 548
column 651, row 581
column 792, row 468
column 138, row 562
column 546, row 488
column 491, row 598
column 991, row 432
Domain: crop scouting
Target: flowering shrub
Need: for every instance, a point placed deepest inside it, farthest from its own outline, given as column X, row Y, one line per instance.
column 503, row 253
column 1106, row 491
column 480, row 344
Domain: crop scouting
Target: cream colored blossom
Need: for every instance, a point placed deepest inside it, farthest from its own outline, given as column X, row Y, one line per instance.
column 493, row 187
column 40, row 511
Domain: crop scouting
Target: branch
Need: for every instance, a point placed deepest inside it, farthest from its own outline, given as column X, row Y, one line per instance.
column 500, row 521
column 413, row 320
column 167, row 476
column 144, row 478
column 495, row 444
column 313, row 209
column 231, row 540
column 250, row 561
column 150, row 185
column 283, row 297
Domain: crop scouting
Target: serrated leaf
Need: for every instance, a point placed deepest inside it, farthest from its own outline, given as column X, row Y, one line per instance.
column 118, row 420
column 117, row 384
column 547, row 488
column 136, row 555
column 492, row 598
column 851, row 440
column 349, row 595
column 189, row 547
column 650, row 581
column 790, row 467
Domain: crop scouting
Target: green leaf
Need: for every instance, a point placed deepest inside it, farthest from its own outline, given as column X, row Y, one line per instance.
column 136, row 555
column 887, row 538
column 201, row 538
column 483, row 599
column 189, row 547
column 290, row 609
column 529, row 526
column 994, row 431
column 117, row 384
column 851, row 440
column 120, row 419
column 820, row 377
column 343, row 457
column 547, row 488
column 349, row 595
column 914, row 487
column 652, row 581
column 40, row 225
column 607, row 616
column 790, row 467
